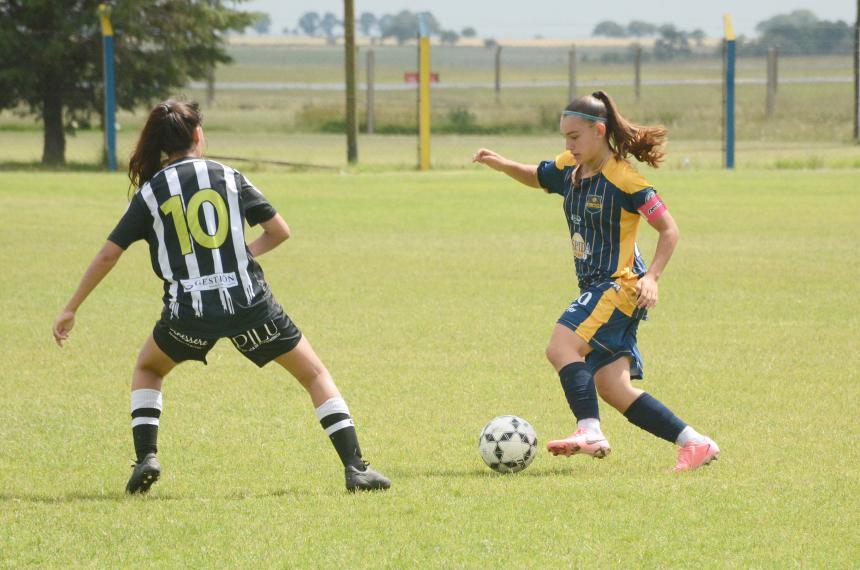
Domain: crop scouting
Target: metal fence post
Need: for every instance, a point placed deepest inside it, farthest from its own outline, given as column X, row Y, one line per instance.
column 371, row 72
column 571, row 74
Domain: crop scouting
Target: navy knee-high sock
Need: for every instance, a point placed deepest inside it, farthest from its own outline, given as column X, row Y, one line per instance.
column 577, row 380
column 651, row 415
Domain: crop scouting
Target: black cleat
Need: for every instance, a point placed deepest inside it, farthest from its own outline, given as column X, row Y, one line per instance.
column 367, row 480
column 145, row 473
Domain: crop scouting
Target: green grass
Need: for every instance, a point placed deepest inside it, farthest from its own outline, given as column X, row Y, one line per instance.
column 22, row 150
column 431, row 297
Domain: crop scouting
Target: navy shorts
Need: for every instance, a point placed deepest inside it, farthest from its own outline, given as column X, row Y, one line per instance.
column 260, row 344
column 605, row 316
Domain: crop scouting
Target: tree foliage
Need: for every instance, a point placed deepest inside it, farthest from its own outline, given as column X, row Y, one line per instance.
column 51, row 55
column 672, row 43
column 609, row 29
column 640, row 29
column 328, row 24
column 263, row 24
column 366, row 23
column 802, row 33
column 309, row 22
column 404, row 25
column 449, row 37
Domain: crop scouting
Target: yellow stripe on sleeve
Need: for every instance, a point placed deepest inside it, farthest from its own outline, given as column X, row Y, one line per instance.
column 626, row 178
column 565, row 159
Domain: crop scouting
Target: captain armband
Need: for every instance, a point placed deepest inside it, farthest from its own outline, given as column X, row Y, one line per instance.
column 653, row 207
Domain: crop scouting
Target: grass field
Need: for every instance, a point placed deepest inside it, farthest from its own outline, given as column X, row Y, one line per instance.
column 386, row 153
column 431, row 297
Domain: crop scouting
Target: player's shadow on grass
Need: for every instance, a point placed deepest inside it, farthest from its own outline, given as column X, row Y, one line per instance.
column 474, row 473
column 156, row 496
column 62, row 498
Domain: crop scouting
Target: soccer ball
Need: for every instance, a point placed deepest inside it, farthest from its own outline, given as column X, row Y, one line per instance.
column 508, row 444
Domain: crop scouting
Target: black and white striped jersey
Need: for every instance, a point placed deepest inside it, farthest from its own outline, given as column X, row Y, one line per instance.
column 192, row 214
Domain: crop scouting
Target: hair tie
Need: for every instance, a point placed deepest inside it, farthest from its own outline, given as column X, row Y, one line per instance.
column 165, row 108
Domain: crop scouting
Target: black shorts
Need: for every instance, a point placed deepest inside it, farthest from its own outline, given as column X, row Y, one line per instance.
column 260, row 344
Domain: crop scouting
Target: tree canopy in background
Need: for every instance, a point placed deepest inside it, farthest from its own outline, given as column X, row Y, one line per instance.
column 801, row 33
column 402, row 26
column 796, row 33
column 51, row 55
column 263, row 24
column 609, row 29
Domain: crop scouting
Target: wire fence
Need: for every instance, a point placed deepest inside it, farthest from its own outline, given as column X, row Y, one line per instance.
column 512, row 89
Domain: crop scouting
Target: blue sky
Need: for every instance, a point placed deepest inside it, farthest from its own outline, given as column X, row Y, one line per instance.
column 515, row 19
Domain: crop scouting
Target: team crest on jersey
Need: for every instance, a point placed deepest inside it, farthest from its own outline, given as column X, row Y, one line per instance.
column 581, row 250
column 594, row 203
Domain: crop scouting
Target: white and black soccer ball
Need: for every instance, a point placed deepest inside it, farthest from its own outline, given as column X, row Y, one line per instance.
column 508, row 444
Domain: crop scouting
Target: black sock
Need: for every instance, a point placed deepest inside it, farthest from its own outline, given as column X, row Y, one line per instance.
column 335, row 420
column 651, row 415
column 577, row 380
column 145, row 416
column 145, row 440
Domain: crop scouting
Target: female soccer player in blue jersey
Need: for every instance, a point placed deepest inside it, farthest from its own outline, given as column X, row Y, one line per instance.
column 594, row 341
column 192, row 213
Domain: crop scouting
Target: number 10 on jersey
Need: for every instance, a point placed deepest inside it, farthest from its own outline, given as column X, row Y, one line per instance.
column 187, row 223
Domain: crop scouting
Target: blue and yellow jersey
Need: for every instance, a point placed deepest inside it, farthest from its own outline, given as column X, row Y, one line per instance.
column 603, row 213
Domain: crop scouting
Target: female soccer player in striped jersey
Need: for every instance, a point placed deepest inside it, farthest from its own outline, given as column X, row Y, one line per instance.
column 594, row 340
column 192, row 213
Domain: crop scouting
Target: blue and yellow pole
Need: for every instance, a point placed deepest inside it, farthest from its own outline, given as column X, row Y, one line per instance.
column 110, row 90
column 730, row 91
column 423, row 95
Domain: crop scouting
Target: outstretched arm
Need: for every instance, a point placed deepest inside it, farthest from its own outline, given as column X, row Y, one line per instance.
column 275, row 232
column 646, row 287
column 523, row 173
column 99, row 267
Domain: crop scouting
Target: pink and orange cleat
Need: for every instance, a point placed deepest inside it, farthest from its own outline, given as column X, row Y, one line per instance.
column 694, row 455
column 580, row 441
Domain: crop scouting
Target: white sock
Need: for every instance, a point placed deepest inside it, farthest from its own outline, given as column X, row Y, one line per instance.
column 590, row 425
column 689, row 434
column 146, row 407
column 333, row 414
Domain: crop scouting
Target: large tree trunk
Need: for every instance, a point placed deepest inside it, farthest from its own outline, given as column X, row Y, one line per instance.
column 54, row 149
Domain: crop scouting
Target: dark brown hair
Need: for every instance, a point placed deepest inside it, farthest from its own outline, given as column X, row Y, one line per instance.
column 624, row 137
column 169, row 129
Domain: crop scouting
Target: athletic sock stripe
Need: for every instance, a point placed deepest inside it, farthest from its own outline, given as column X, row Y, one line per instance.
column 146, row 412
column 145, row 420
column 332, row 419
column 339, row 426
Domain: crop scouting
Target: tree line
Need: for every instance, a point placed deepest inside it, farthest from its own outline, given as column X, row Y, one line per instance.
column 402, row 26
column 799, row 32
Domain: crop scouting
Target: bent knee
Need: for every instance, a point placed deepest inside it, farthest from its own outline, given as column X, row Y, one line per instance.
column 552, row 354
column 610, row 395
column 561, row 356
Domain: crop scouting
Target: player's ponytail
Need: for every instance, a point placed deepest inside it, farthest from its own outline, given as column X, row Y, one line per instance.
column 169, row 129
column 624, row 137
